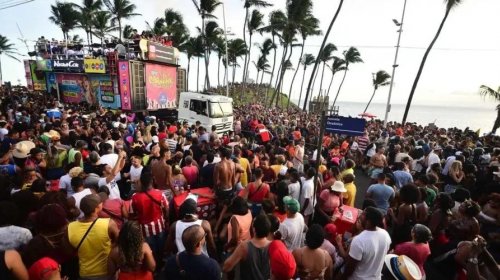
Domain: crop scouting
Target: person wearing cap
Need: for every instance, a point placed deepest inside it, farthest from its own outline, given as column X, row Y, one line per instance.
column 189, row 216
column 329, row 202
column 192, row 263
column 368, row 249
column 253, row 255
column 92, row 248
column 418, row 249
column 312, row 261
column 293, row 228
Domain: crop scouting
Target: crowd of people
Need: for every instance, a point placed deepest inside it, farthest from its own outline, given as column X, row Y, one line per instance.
column 87, row 193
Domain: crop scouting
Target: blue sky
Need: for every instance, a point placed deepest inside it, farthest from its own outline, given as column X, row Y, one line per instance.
column 466, row 55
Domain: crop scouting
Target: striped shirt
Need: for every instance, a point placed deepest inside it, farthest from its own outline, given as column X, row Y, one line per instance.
column 363, row 142
column 172, row 145
column 149, row 212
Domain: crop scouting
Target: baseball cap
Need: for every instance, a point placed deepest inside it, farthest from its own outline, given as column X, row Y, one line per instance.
column 291, row 204
column 281, row 260
column 89, row 203
column 43, row 268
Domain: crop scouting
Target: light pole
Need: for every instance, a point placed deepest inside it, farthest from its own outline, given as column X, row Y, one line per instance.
column 400, row 31
column 225, row 42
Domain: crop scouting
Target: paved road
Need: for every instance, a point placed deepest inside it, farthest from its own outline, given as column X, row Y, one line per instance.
column 362, row 182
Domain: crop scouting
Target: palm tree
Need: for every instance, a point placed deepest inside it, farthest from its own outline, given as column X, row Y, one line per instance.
column 103, row 25
column 380, row 79
column 158, row 28
column 128, row 32
column 337, row 66
column 325, row 57
column 212, row 33
column 236, row 49
column 76, row 39
column 65, row 16
column 307, row 60
column 86, row 15
column 450, row 4
column 495, row 95
column 175, row 27
column 351, row 56
column 308, row 27
column 325, row 38
column 261, row 65
column 220, row 49
column 121, row 9
column 9, row 50
column 254, row 24
column 193, row 47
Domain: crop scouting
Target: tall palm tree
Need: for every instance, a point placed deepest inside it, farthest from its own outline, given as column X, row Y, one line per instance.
column 450, row 4
column 121, row 9
column 103, row 25
column 65, row 16
column 127, row 32
column 325, row 57
column 495, row 95
column 206, row 8
column 175, row 27
column 8, row 49
column 351, row 56
column 212, row 33
column 255, row 22
column 193, row 47
column 325, row 38
column 76, row 39
column 158, row 27
column 87, row 12
column 220, row 49
column 380, row 79
column 236, row 49
column 337, row 66
column 261, row 65
column 308, row 27
column 307, row 60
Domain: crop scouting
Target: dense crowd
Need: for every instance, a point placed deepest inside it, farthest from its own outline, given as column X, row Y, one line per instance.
column 87, row 193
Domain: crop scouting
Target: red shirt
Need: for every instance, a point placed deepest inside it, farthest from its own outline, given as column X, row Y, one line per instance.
column 172, row 129
column 162, row 135
column 112, row 208
column 417, row 252
column 191, row 174
column 256, row 194
column 149, row 212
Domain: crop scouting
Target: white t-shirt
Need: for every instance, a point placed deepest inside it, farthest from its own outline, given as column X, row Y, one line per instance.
column 307, row 193
column 433, row 158
column 294, row 190
column 78, row 198
column 369, row 248
column 135, row 174
column 114, row 191
column 109, row 159
column 293, row 232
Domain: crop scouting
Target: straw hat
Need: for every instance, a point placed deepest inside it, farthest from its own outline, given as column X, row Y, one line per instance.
column 52, row 134
column 22, row 149
column 402, row 267
column 338, row 186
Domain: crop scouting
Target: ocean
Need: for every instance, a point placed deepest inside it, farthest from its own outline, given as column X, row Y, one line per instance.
column 474, row 117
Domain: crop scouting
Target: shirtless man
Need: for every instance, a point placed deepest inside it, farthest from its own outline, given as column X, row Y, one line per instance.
column 377, row 162
column 224, row 182
column 162, row 172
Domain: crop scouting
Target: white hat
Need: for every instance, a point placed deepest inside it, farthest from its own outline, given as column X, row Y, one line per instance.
column 22, row 149
column 402, row 267
column 155, row 139
column 116, row 124
column 338, row 186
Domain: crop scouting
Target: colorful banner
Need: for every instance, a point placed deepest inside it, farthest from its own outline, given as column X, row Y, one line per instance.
column 124, row 84
column 161, row 86
column 37, row 77
column 92, row 65
column 74, row 66
column 103, row 88
column 52, row 84
column 27, row 74
column 74, row 88
column 44, row 65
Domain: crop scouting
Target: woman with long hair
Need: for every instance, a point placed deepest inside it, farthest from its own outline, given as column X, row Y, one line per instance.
column 455, row 177
column 405, row 216
column 132, row 258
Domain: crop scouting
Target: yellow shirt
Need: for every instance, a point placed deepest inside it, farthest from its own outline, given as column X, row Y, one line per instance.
column 345, row 172
column 94, row 251
column 350, row 194
column 245, row 164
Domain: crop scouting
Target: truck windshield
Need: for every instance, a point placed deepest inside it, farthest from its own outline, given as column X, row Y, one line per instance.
column 220, row 110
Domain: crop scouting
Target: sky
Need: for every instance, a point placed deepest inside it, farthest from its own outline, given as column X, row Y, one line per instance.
column 466, row 55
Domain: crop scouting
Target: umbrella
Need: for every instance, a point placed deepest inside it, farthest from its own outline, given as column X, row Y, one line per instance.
column 367, row 115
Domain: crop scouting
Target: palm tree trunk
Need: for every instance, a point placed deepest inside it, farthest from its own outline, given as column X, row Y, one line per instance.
column 260, row 85
column 322, row 77
column 496, row 125
column 278, row 78
column 198, row 76
column 422, row 64
column 321, row 50
column 369, row 102
column 282, row 78
column 295, row 74
column 302, row 86
column 1, row 74
column 246, row 65
column 245, row 40
column 91, row 38
column 187, row 77
column 234, row 73
column 330, row 86
column 314, row 85
column 272, row 75
column 120, row 30
column 218, row 73
column 340, row 87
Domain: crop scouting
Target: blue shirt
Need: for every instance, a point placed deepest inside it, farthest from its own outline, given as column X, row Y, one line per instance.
column 381, row 194
column 402, row 178
column 8, row 169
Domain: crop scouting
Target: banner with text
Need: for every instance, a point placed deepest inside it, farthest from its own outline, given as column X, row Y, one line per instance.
column 72, row 66
column 161, row 87
column 103, row 89
column 74, row 88
column 37, row 77
column 345, row 125
column 124, row 84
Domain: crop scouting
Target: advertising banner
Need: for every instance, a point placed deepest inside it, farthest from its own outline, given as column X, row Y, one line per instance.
column 74, row 88
column 346, row 126
column 27, row 74
column 44, row 65
column 124, row 84
column 103, row 89
column 72, row 66
column 94, row 66
column 37, row 77
column 52, row 87
column 161, row 53
column 161, row 86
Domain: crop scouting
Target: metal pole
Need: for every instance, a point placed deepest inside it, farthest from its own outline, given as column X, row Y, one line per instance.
column 225, row 42
column 400, row 31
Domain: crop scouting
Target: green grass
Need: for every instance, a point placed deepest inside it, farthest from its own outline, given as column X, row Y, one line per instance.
column 255, row 95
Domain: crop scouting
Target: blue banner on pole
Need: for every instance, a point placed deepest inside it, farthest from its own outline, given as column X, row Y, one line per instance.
column 344, row 125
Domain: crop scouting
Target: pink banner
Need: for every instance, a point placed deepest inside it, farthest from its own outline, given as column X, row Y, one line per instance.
column 161, row 86
column 124, row 86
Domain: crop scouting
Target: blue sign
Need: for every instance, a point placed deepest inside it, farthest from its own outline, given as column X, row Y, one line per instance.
column 346, row 126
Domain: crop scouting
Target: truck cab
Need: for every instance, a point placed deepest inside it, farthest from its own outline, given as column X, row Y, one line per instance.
column 208, row 109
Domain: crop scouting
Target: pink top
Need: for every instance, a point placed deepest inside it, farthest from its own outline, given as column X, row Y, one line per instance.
column 331, row 201
column 418, row 252
column 244, row 222
column 191, row 174
column 112, row 208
